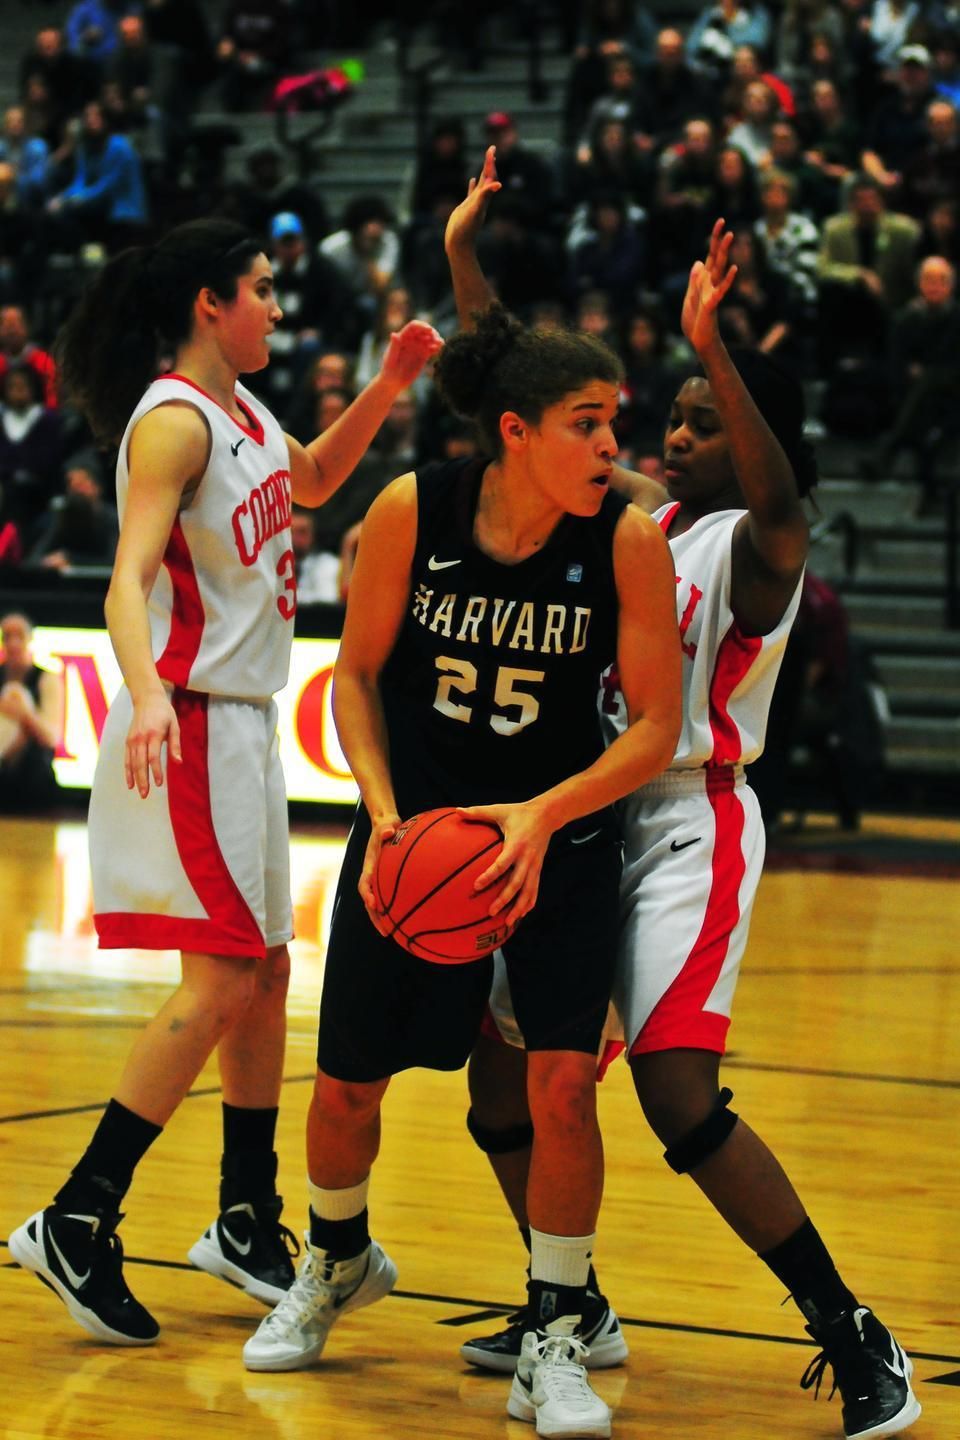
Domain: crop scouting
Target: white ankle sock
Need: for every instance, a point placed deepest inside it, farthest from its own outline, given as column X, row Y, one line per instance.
column 338, row 1204
column 560, row 1259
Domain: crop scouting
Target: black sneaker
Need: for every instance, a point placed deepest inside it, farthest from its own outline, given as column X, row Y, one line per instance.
column 247, row 1246
column 600, row 1331
column 870, row 1370
column 80, row 1257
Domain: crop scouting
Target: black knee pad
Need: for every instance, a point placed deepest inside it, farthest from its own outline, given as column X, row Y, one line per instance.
column 500, row 1142
column 704, row 1139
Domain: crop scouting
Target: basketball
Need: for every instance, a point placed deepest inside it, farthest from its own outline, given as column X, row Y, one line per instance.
column 424, row 885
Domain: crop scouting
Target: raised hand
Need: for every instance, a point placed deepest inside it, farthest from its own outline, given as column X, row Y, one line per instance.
column 466, row 221
column 408, row 351
column 710, row 281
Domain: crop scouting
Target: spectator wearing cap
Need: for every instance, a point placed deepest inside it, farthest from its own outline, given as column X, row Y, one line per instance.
column 366, row 250
column 890, row 25
column 319, row 310
column 897, row 130
column 520, row 170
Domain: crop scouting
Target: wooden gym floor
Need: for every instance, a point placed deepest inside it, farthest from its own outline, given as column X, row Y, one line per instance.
column 845, row 1055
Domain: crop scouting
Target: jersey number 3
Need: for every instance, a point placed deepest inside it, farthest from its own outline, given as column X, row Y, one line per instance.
column 459, row 677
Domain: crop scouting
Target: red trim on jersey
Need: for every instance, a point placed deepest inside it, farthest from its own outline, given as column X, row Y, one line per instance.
column 188, row 791
column 611, row 1049
column 230, row 928
column 168, row 932
column 666, row 520
column 679, row 1020
column 187, row 616
column 255, row 428
column 735, row 655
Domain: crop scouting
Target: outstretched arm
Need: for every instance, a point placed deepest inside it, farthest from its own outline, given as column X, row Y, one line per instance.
column 770, row 546
column 320, row 468
column 471, row 288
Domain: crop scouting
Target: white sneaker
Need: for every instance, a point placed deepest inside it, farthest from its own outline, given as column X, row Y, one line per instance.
column 294, row 1334
column 550, row 1387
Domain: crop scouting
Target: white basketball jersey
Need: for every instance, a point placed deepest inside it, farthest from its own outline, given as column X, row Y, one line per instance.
column 728, row 677
column 222, row 606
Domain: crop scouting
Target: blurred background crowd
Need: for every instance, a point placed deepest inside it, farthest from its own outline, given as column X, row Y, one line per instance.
column 824, row 131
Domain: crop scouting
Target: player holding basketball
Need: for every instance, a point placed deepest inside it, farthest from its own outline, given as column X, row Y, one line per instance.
column 736, row 466
column 487, row 598
column 188, row 819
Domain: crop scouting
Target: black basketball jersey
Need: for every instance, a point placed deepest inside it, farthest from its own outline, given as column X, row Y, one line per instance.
column 490, row 692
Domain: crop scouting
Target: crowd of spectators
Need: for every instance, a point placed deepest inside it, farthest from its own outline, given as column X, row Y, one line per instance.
column 824, row 131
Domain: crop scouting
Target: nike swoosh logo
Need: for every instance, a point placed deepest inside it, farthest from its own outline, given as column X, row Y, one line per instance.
column 241, row 1247
column 235, row 448
column 527, row 1384
column 897, row 1367
column 434, row 564
column 584, row 838
column 75, row 1280
column 674, row 846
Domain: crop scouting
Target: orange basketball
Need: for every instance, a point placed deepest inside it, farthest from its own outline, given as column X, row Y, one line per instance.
column 424, row 884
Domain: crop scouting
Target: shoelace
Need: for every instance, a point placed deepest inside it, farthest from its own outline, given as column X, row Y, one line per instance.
column 301, row 1300
column 564, row 1378
column 812, row 1377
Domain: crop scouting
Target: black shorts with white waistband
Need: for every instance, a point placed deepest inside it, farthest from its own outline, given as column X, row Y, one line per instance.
column 383, row 1010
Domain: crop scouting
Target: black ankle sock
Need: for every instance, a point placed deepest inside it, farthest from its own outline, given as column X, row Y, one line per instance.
column 248, row 1169
column 342, row 1239
column 102, row 1175
column 549, row 1302
column 803, row 1263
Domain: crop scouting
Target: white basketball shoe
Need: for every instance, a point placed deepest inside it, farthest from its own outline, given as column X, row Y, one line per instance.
column 550, row 1388
column 294, row 1334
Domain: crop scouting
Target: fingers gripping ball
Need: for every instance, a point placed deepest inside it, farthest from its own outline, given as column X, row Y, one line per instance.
column 424, row 885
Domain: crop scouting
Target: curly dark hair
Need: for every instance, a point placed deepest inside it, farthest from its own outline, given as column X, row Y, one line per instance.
column 503, row 365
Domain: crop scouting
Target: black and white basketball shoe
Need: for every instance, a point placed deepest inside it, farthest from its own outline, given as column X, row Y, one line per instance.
column 80, row 1258
column 600, row 1331
column 871, row 1371
column 248, row 1247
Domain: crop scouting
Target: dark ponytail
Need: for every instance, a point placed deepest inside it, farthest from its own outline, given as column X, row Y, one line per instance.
column 501, row 365
column 139, row 306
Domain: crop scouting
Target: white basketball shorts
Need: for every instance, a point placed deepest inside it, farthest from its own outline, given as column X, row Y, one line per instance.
column 203, row 863
column 693, row 855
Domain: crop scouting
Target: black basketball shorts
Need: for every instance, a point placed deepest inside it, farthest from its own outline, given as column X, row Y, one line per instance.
column 383, row 1010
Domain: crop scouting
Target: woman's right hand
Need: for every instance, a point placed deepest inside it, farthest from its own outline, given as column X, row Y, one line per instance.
column 154, row 721
column 382, row 831
column 466, row 221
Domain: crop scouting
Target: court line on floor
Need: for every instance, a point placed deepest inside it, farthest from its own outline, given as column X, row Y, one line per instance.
column 481, row 1310
column 928, row 1082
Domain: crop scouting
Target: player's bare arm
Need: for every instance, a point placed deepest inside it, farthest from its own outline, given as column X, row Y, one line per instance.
column 320, row 468
column 641, row 490
column 648, row 654
column 471, row 289
column 770, row 545
column 379, row 593
column 168, row 454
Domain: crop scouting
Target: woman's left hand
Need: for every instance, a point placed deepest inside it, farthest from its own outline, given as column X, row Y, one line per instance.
column 526, row 835
column 710, row 281
column 408, row 351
